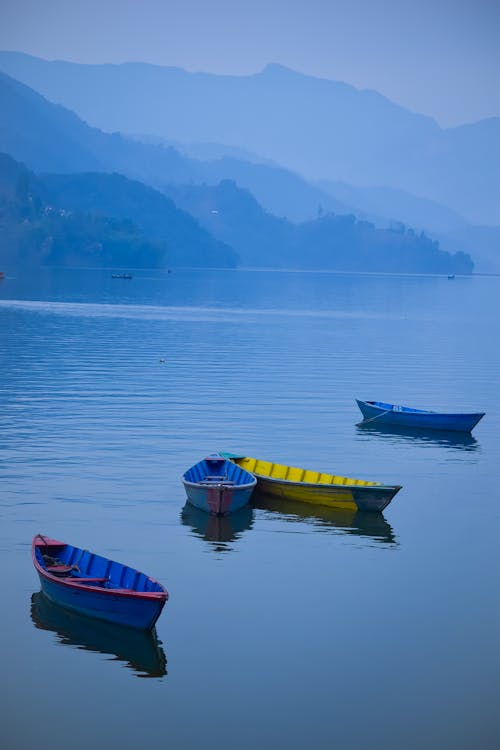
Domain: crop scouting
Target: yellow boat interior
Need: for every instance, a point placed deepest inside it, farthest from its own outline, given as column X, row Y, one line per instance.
column 296, row 475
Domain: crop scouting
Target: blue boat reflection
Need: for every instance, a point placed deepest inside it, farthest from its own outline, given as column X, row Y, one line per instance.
column 140, row 650
column 219, row 530
column 460, row 441
column 372, row 526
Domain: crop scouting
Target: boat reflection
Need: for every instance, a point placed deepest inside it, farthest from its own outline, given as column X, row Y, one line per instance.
column 373, row 526
column 460, row 441
column 219, row 530
column 140, row 650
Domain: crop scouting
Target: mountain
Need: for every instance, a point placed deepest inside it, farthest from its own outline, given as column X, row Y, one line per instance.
column 278, row 190
column 50, row 138
column 155, row 215
column 97, row 220
column 320, row 128
column 62, row 142
column 330, row 242
column 31, row 124
column 35, row 232
column 389, row 206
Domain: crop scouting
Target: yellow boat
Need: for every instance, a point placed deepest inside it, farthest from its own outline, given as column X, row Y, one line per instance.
column 316, row 487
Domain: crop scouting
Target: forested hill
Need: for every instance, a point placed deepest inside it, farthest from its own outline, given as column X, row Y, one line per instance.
column 336, row 242
column 38, row 226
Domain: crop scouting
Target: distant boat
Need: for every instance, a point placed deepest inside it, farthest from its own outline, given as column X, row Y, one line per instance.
column 451, row 276
column 378, row 412
column 217, row 485
column 318, row 488
column 121, row 276
column 95, row 586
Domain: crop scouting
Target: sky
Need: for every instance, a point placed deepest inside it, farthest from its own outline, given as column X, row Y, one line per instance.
column 437, row 57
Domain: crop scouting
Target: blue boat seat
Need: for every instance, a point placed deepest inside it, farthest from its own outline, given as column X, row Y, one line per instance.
column 59, row 570
column 217, row 479
column 76, row 579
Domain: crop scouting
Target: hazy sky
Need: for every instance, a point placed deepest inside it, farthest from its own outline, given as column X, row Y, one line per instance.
column 437, row 57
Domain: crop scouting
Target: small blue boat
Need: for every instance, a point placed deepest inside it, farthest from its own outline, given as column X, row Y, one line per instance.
column 218, row 486
column 378, row 412
column 95, row 586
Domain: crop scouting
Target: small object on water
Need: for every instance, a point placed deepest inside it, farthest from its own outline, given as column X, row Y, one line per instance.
column 96, row 586
column 163, row 361
column 217, row 485
column 318, row 488
column 121, row 276
column 381, row 413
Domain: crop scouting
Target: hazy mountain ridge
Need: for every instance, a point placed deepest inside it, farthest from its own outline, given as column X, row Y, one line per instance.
column 29, row 118
column 330, row 242
column 286, row 194
column 320, row 128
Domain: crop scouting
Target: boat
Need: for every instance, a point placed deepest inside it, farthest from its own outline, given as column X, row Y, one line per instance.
column 319, row 488
column 139, row 650
column 121, row 276
column 403, row 416
column 217, row 485
column 96, row 586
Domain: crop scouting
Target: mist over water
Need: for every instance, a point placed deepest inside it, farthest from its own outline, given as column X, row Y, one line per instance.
column 287, row 625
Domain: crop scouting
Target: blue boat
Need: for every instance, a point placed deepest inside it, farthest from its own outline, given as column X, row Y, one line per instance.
column 95, row 586
column 218, row 486
column 378, row 412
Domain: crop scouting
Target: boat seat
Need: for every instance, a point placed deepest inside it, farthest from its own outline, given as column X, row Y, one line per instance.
column 217, row 479
column 59, row 570
column 76, row 579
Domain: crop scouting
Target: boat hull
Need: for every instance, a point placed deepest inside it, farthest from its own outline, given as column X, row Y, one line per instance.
column 373, row 498
column 316, row 488
column 219, row 499
column 419, row 419
column 121, row 609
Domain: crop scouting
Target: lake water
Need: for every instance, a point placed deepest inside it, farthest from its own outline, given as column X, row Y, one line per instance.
column 287, row 626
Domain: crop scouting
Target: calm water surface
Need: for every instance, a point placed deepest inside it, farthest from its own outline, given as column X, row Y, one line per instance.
column 287, row 627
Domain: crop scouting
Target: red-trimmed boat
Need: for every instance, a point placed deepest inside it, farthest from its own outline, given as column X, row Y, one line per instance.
column 96, row 586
